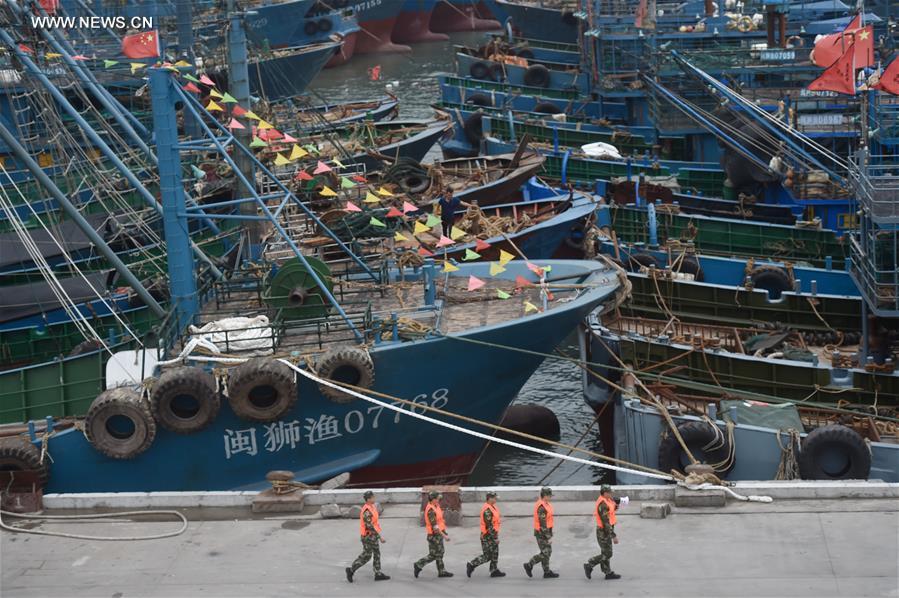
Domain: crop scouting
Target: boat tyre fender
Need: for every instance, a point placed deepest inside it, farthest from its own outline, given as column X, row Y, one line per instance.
column 479, row 99
column 310, row 28
column 537, row 75
column 526, row 54
column 577, row 236
column 497, row 73
column 708, row 445
column 349, row 365
column 119, row 423
column 261, row 390
column 568, row 18
column 642, row 259
column 415, row 183
column 325, row 25
column 17, row 454
column 479, row 70
column 771, row 279
column 794, row 41
column 185, row 400
column 547, row 108
column 690, row 265
column 473, row 128
column 834, row 452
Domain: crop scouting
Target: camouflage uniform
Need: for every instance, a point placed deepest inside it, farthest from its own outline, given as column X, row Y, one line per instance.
column 370, row 547
column 543, row 536
column 489, row 544
column 604, row 536
column 435, row 546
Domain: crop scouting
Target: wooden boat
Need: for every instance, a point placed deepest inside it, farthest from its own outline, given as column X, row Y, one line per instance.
column 302, row 114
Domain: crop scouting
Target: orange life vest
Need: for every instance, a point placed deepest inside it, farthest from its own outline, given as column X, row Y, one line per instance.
column 549, row 514
column 496, row 517
column 441, row 526
column 374, row 519
column 612, row 508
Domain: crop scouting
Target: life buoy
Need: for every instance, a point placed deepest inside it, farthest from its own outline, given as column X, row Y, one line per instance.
column 119, row 424
column 834, row 452
column 310, row 28
column 325, row 25
column 479, row 99
column 547, row 108
column 745, row 24
column 794, row 41
column 537, row 75
column 706, row 442
column 350, row 365
column 479, row 70
column 473, row 128
column 17, row 454
column 261, row 390
column 184, row 400
column 771, row 279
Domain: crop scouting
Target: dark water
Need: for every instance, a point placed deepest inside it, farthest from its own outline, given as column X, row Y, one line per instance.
column 556, row 384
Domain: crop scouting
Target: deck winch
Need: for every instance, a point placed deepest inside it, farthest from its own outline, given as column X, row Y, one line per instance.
column 294, row 290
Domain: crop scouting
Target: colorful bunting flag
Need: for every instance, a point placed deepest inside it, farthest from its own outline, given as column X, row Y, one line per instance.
column 258, row 143
column 187, row 76
column 327, row 192
column 297, row 152
column 25, row 49
column 394, row 213
column 351, row 207
column 384, row 192
column 370, row 197
column 505, row 257
column 470, row 255
column 424, row 252
column 52, row 55
column 321, row 168
column 375, row 222
column 346, row 183
column 251, row 115
column 400, row 237
column 408, row 207
column 521, row 282
column 234, row 124
column 238, row 110
column 280, row 160
column 136, row 66
column 481, row 245
column 456, row 233
column 191, row 88
column 213, row 107
column 215, row 93
column 183, row 64
column 502, row 294
column 289, row 138
column 474, row 283
column 529, row 307
column 206, row 80
column 444, row 241
column 432, row 221
column 420, row 228
column 304, row 176
column 109, row 63
column 198, row 173
column 265, row 124
column 495, row 269
column 228, row 99
column 80, row 57
column 535, row 269
column 358, row 178
column 448, row 267
column 337, row 163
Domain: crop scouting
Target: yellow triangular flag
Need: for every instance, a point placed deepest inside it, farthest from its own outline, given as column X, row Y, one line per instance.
column 420, row 228
column 280, row 160
column 400, row 237
column 136, row 66
column 215, row 94
column 183, row 63
column 448, row 267
column 384, row 192
column 338, row 163
column 213, row 107
column 529, row 307
column 505, row 257
column 52, row 55
column 264, row 125
column 457, row 233
column 495, row 269
column 297, row 152
column 251, row 115
column 370, row 198
column 327, row 192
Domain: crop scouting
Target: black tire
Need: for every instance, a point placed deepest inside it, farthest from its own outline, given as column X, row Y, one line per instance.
column 473, row 128
column 18, row 454
column 577, row 236
column 690, row 265
column 479, row 70
column 261, row 390
column 771, row 279
column 635, row 261
column 325, row 25
column 310, row 28
column 537, row 75
column 479, row 99
column 119, row 424
column 696, row 435
column 349, row 365
column 526, row 54
column 85, row 347
column 415, row 183
column 497, row 73
column 547, row 108
column 184, row 400
column 834, row 452
column 568, row 18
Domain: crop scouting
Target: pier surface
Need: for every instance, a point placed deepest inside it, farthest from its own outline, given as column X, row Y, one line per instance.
column 800, row 547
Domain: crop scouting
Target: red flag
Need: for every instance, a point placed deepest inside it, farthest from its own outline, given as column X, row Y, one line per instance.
column 889, row 79
column 829, row 48
column 49, row 6
column 641, row 13
column 141, row 45
column 839, row 77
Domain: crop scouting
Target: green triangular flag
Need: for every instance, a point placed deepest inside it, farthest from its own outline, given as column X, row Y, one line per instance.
column 470, row 255
column 258, row 142
column 502, row 294
column 375, row 222
column 109, row 63
column 346, row 183
column 189, row 77
column 228, row 99
column 311, row 149
column 197, row 172
column 432, row 221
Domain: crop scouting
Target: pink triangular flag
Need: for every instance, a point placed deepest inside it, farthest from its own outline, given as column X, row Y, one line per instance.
column 206, row 80
column 289, row 138
column 304, row 176
column 238, row 110
column 521, row 281
column 535, row 269
column 444, row 241
column 80, row 57
column 275, row 134
column 234, row 124
column 351, row 207
column 321, row 168
column 481, row 245
column 475, row 283
column 408, row 207
column 261, row 133
column 424, row 252
column 394, row 213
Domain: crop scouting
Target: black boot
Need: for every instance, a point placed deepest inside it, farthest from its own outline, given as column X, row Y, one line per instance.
column 444, row 574
column 588, row 571
column 612, row 575
column 549, row 574
column 381, row 577
column 529, row 568
column 497, row 573
column 468, row 569
column 349, row 574
column 416, row 569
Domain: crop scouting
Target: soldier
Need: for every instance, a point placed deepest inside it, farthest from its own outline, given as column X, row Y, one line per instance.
column 370, row 530
column 605, row 533
column 490, row 524
column 543, row 531
column 436, row 529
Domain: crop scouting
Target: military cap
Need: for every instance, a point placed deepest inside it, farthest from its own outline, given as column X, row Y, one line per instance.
column 434, row 494
column 368, row 494
column 491, row 494
column 546, row 491
column 605, row 488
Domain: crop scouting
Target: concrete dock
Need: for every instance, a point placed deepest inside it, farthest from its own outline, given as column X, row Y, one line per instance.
column 830, row 542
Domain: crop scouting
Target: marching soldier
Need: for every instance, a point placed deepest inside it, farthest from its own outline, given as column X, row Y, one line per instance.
column 604, row 512
column 370, row 530
column 490, row 524
column 543, row 532
column 436, row 529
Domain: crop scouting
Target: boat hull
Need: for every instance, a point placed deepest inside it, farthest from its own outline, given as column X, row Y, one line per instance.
column 267, row 77
column 377, row 19
column 412, row 24
column 461, row 15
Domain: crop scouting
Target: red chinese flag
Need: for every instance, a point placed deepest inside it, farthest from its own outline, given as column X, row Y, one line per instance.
column 829, row 48
column 640, row 14
column 838, row 77
column 49, row 6
column 864, row 47
column 889, row 79
column 141, row 45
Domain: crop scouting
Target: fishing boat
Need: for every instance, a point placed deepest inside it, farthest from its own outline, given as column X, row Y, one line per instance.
column 312, row 117
column 413, row 25
column 492, row 64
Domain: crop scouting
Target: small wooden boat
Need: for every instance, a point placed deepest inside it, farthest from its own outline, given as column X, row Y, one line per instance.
column 324, row 116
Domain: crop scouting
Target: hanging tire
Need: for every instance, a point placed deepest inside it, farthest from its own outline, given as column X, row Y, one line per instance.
column 834, row 452
column 537, row 75
column 261, row 390
column 349, row 365
column 184, row 400
column 479, row 70
column 18, row 454
column 771, row 279
column 635, row 261
column 497, row 73
column 473, row 128
column 415, row 183
column 690, row 265
column 325, row 25
column 119, row 424
column 310, row 28
column 479, row 99
column 547, row 108
column 697, row 435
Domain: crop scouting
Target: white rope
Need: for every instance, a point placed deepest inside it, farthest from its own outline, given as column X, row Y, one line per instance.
column 707, row 486
column 19, row 530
